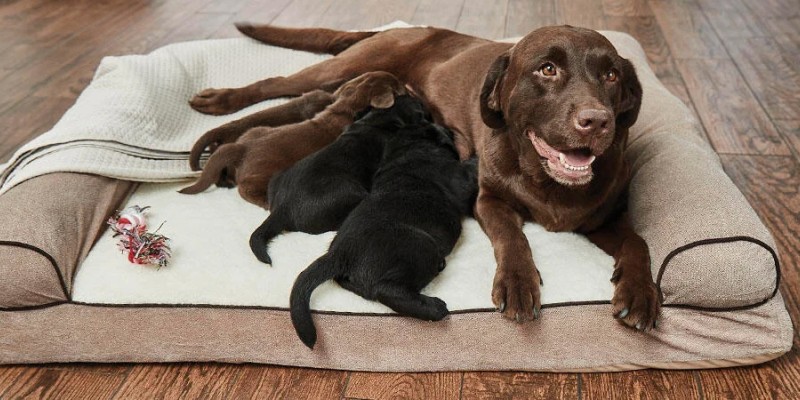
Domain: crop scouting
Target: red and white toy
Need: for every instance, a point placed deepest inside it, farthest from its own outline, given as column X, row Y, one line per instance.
column 142, row 247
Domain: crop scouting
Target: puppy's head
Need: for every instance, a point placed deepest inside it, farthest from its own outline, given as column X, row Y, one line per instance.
column 565, row 96
column 406, row 110
column 376, row 89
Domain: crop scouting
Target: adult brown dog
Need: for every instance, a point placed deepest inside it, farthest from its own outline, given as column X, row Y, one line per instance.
column 548, row 118
column 261, row 151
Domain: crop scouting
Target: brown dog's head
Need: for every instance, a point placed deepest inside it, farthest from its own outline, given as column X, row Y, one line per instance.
column 566, row 96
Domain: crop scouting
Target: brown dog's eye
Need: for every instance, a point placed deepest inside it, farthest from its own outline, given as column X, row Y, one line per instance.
column 611, row 75
column 548, row 69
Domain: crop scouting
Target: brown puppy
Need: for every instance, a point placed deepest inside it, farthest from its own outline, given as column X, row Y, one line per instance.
column 262, row 151
column 295, row 110
column 548, row 118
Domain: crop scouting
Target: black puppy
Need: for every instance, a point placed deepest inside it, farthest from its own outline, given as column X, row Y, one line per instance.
column 317, row 193
column 395, row 240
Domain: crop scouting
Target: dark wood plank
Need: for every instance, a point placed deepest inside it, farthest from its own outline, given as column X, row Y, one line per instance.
column 687, row 30
column 224, row 6
column 434, row 385
column 259, row 12
column 733, row 119
column 790, row 130
column 647, row 384
column 775, row 8
column 438, row 13
column 519, row 385
column 627, row 8
column 47, row 27
column 303, row 13
column 68, row 382
column 10, row 375
column 88, row 381
column 775, row 83
column 195, row 27
column 128, row 35
column 783, row 26
column 483, row 18
column 582, row 13
column 28, row 118
column 272, row 382
column 766, row 381
column 366, row 14
column 732, row 19
column 790, row 45
column 179, row 381
column 262, row 12
column 525, row 16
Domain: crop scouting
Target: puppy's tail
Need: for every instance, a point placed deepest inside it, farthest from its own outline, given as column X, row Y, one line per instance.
column 226, row 157
column 259, row 240
column 210, row 140
column 316, row 40
column 321, row 270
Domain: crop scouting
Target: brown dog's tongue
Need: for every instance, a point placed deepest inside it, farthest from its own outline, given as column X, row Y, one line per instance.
column 578, row 158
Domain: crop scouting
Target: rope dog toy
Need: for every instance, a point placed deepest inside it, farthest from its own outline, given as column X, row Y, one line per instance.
column 142, row 247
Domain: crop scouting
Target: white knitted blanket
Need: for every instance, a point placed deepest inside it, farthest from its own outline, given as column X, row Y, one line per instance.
column 134, row 122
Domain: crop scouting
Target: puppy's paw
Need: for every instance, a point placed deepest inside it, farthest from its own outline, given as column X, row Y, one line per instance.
column 217, row 101
column 438, row 309
column 636, row 302
column 516, row 292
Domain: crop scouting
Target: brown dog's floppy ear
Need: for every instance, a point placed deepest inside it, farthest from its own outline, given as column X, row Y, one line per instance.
column 631, row 99
column 491, row 112
column 383, row 100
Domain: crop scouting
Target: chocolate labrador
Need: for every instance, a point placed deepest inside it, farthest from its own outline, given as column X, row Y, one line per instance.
column 260, row 152
column 548, row 118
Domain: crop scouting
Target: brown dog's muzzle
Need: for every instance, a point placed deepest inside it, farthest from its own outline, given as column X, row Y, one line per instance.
column 593, row 121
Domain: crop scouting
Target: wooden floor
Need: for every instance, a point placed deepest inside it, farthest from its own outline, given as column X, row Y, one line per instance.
column 735, row 62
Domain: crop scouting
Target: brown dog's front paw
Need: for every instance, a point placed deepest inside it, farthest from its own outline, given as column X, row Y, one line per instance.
column 516, row 293
column 636, row 303
column 217, row 101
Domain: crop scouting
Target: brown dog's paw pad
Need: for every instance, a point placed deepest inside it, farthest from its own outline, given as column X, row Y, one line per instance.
column 517, row 295
column 636, row 305
column 216, row 102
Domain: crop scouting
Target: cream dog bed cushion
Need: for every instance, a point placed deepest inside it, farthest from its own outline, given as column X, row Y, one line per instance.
column 712, row 257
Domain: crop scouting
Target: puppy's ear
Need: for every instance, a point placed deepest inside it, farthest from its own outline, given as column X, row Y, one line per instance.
column 631, row 99
column 491, row 111
column 383, row 100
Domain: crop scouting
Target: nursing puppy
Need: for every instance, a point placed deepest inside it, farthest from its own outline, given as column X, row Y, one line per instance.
column 318, row 192
column 261, row 152
column 394, row 242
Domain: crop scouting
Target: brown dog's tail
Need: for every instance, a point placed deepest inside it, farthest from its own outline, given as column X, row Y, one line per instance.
column 227, row 157
column 315, row 40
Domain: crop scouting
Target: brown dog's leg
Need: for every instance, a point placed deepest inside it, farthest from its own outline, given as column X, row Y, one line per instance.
column 225, row 160
column 296, row 110
column 226, row 101
column 636, row 300
column 516, row 292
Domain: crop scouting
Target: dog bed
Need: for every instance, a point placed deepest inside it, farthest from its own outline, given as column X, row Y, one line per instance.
column 68, row 295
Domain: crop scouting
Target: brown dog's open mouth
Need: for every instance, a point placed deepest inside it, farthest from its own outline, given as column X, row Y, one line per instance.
column 568, row 167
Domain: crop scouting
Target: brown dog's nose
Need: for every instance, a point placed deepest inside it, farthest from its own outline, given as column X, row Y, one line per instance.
column 592, row 121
